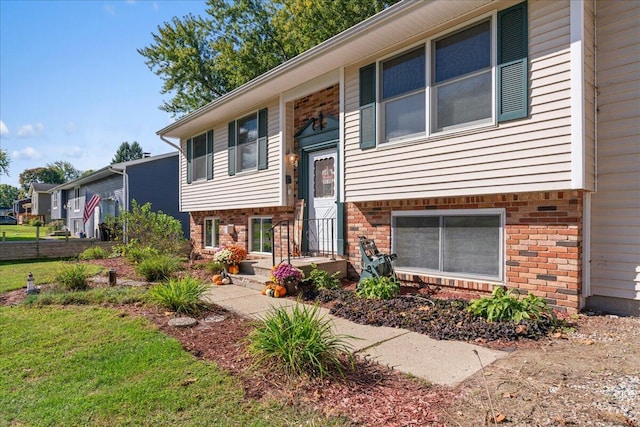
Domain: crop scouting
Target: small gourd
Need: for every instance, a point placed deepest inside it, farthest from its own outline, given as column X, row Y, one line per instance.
column 217, row 279
column 271, row 292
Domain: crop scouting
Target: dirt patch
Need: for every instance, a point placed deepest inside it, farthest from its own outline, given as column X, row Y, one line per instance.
column 589, row 375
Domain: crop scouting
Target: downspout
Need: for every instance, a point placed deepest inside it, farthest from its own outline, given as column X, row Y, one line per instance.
column 125, row 195
column 171, row 144
column 182, row 153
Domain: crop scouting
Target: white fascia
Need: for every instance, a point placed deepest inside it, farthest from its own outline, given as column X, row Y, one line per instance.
column 576, row 27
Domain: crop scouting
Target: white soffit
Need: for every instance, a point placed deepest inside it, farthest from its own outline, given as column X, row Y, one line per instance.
column 388, row 28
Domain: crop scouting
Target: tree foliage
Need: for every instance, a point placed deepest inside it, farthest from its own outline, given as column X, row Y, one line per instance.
column 53, row 173
column 202, row 58
column 8, row 193
column 4, row 163
column 128, row 152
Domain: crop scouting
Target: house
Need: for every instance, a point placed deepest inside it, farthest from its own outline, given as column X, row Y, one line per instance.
column 150, row 179
column 21, row 209
column 486, row 143
column 40, row 201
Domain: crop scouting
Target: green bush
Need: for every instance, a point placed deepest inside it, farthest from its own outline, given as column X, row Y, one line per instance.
column 72, row 277
column 323, row 280
column 137, row 254
column 55, row 225
column 378, row 288
column 94, row 252
column 158, row 268
column 33, row 222
column 505, row 305
column 180, row 295
column 300, row 342
column 215, row 267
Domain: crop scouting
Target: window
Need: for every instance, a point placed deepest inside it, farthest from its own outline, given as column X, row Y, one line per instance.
column 462, row 79
column 76, row 199
column 247, row 149
column 457, row 243
column 211, row 233
column 468, row 77
column 54, row 200
column 200, row 157
column 261, row 234
column 324, row 178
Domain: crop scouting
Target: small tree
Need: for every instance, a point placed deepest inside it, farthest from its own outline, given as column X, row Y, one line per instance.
column 145, row 228
column 128, row 152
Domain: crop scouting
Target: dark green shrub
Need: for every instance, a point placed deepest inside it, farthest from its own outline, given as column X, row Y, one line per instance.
column 94, row 252
column 505, row 305
column 180, row 295
column 300, row 342
column 378, row 288
column 158, row 268
column 72, row 277
column 323, row 280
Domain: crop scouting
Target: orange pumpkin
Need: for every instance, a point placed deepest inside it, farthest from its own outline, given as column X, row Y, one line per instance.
column 279, row 291
column 234, row 269
column 217, row 279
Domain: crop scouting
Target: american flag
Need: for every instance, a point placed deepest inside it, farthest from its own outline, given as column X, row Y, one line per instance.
column 91, row 201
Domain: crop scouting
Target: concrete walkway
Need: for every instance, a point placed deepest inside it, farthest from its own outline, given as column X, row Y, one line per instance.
column 439, row 362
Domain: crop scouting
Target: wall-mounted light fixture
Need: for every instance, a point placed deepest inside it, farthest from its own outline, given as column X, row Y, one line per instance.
column 292, row 158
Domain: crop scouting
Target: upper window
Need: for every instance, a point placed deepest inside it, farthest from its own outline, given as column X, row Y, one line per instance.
column 462, row 79
column 247, row 158
column 54, row 200
column 76, row 199
column 200, row 157
column 458, row 243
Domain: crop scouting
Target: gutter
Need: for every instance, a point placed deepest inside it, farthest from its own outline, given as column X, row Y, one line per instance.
column 171, row 143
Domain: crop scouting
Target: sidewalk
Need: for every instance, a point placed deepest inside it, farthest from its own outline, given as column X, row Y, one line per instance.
column 439, row 362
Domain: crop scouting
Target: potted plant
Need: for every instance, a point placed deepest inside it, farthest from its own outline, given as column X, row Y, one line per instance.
column 230, row 256
column 285, row 274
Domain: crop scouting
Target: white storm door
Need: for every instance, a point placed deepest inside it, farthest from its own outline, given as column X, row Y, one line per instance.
column 322, row 201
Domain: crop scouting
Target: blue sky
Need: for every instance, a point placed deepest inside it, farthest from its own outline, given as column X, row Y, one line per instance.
column 72, row 85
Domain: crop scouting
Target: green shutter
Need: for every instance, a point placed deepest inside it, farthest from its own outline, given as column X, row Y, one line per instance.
column 513, row 90
column 232, row 148
column 368, row 106
column 210, row 154
column 189, row 157
column 262, row 139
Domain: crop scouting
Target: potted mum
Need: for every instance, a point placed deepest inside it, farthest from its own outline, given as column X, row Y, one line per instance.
column 230, row 256
column 285, row 274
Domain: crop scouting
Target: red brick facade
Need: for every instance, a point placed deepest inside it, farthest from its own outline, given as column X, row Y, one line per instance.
column 543, row 240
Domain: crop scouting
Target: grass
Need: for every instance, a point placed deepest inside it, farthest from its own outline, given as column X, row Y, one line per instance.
column 16, row 233
column 13, row 274
column 94, row 366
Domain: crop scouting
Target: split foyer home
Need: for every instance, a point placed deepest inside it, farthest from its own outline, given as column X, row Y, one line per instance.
column 84, row 203
column 486, row 143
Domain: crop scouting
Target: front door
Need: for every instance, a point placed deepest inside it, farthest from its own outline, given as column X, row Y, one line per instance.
column 322, row 201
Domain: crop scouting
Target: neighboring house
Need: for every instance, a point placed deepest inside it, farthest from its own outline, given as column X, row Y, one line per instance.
column 21, row 209
column 41, row 201
column 467, row 137
column 149, row 180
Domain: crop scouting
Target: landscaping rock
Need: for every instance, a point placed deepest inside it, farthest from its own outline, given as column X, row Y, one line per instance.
column 183, row 322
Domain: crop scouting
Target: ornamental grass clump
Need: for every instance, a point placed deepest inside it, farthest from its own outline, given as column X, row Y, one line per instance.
column 94, row 252
column 158, row 268
column 300, row 342
column 72, row 277
column 180, row 295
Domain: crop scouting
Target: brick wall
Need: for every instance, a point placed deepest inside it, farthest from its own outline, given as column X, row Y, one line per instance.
column 543, row 241
column 326, row 101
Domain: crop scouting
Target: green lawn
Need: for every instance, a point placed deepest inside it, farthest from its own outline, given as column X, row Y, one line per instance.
column 13, row 233
column 13, row 274
column 91, row 366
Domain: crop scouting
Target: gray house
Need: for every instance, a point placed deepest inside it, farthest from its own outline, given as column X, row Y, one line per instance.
column 149, row 180
column 40, row 200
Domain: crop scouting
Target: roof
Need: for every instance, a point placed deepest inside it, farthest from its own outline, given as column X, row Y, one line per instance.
column 39, row 187
column 116, row 168
column 389, row 28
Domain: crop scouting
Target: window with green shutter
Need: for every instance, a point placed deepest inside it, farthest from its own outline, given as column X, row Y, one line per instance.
column 512, row 70
column 199, row 154
column 247, row 147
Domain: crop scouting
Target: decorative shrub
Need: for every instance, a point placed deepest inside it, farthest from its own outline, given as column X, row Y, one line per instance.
column 158, row 268
column 214, row 267
column 94, row 252
column 55, row 225
column 300, row 342
column 379, row 288
column 505, row 305
column 323, row 280
column 182, row 296
column 286, row 274
column 72, row 277
column 137, row 254
column 230, row 255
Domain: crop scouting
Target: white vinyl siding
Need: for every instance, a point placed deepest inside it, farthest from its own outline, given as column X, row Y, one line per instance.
column 615, row 222
column 532, row 154
column 252, row 189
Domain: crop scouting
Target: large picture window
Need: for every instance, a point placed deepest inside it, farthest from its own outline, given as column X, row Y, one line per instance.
column 261, row 234
column 211, row 233
column 456, row 243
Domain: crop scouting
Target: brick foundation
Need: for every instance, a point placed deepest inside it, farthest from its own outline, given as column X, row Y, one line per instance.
column 543, row 237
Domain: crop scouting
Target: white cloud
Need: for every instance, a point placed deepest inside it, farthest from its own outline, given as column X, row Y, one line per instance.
column 26, row 153
column 28, row 131
column 71, row 128
column 4, row 130
column 110, row 9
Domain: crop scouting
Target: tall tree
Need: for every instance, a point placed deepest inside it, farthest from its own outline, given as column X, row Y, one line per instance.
column 202, row 58
column 4, row 163
column 47, row 175
column 66, row 169
column 8, row 193
column 128, row 152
